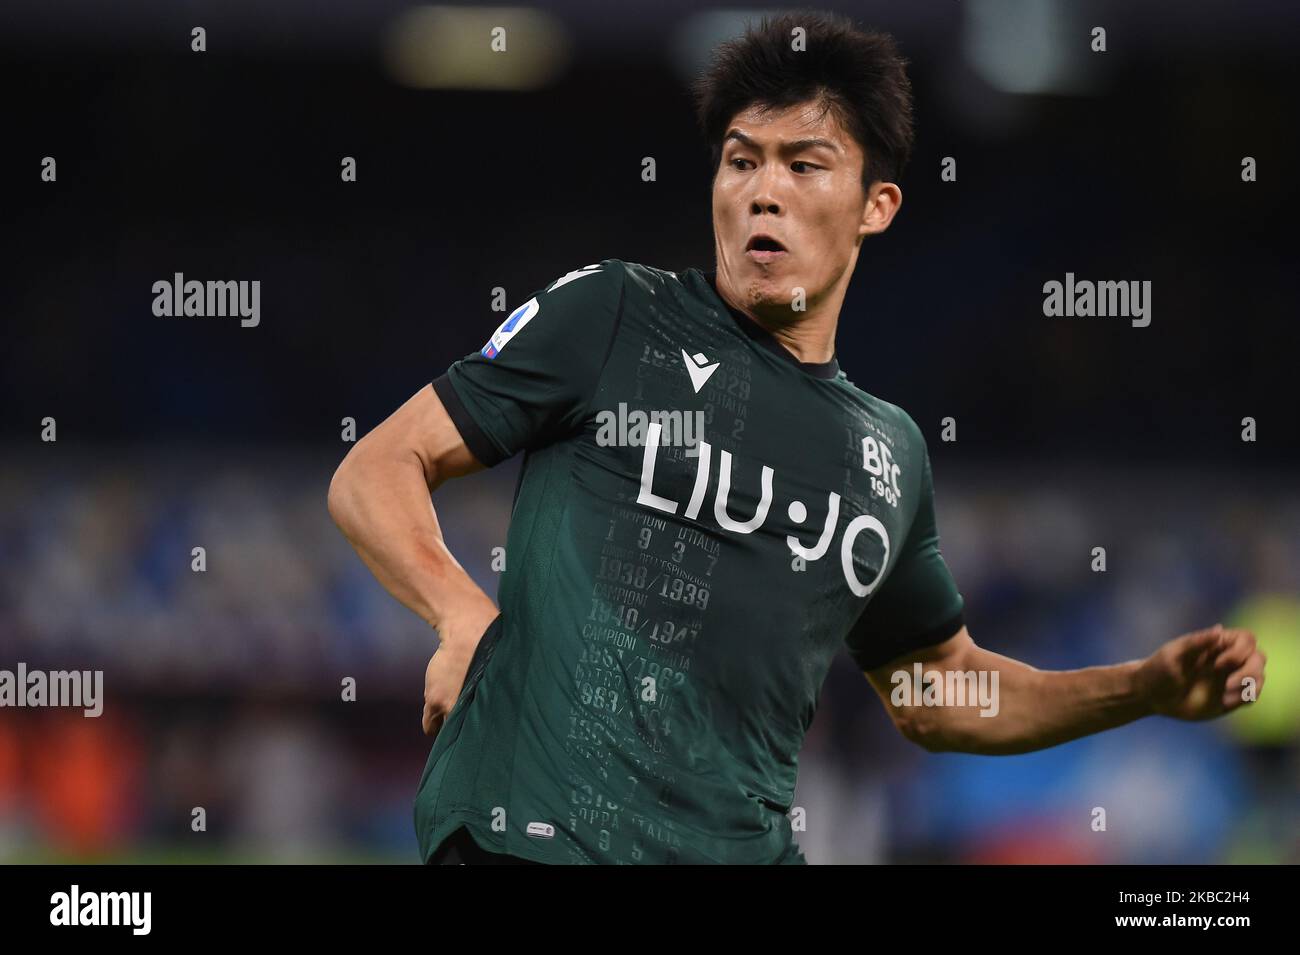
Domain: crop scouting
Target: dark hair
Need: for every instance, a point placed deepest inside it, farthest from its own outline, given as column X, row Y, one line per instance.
column 860, row 75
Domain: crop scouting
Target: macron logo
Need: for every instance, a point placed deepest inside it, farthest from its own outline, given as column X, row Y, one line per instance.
column 699, row 370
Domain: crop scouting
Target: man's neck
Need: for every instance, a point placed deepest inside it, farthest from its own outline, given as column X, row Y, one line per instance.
column 809, row 335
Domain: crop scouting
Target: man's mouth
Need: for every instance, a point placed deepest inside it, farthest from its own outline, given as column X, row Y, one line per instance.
column 764, row 248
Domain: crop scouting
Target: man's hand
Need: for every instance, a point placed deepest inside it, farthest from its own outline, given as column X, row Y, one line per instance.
column 1201, row 675
column 445, row 675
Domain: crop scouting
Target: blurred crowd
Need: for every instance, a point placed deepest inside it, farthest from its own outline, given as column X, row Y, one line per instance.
column 225, row 688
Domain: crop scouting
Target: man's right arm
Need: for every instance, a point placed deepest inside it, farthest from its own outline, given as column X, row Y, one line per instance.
column 532, row 384
column 380, row 499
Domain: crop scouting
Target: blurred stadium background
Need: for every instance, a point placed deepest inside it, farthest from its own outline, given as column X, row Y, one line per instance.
column 477, row 170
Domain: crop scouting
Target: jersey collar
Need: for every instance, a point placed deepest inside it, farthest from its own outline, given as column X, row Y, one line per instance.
column 760, row 335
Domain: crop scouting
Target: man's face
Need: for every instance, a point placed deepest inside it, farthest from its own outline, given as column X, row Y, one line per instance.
column 794, row 175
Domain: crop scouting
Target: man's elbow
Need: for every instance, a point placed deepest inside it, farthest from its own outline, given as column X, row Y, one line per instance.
column 342, row 491
column 365, row 468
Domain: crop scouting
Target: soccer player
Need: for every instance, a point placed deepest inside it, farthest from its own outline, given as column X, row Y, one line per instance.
column 674, row 596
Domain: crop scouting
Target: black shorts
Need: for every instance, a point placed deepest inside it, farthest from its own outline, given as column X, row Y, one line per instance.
column 459, row 848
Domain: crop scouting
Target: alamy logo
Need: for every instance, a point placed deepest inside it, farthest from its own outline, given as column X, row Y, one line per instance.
column 627, row 429
column 179, row 298
column 1104, row 299
column 946, row 688
column 699, row 368
column 35, row 688
column 102, row 908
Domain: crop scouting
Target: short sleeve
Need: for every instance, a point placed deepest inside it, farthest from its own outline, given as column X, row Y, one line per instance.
column 532, row 382
column 918, row 604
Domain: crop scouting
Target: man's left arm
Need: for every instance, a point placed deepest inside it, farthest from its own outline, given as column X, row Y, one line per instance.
column 918, row 617
column 1197, row 676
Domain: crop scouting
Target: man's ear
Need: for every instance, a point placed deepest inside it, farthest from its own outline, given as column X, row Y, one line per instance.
column 883, row 202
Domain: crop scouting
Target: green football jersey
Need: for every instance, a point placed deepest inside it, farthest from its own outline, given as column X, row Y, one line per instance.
column 702, row 521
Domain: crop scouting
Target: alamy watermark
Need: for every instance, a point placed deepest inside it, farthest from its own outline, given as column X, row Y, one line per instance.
column 129, row 909
column 178, row 297
column 1085, row 298
column 946, row 688
column 83, row 688
column 623, row 428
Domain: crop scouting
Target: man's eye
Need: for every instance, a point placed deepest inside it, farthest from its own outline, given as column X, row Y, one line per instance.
column 736, row 160
column 800, row 162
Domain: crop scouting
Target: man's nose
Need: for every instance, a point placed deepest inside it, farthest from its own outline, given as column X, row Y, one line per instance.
column 766, row 188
